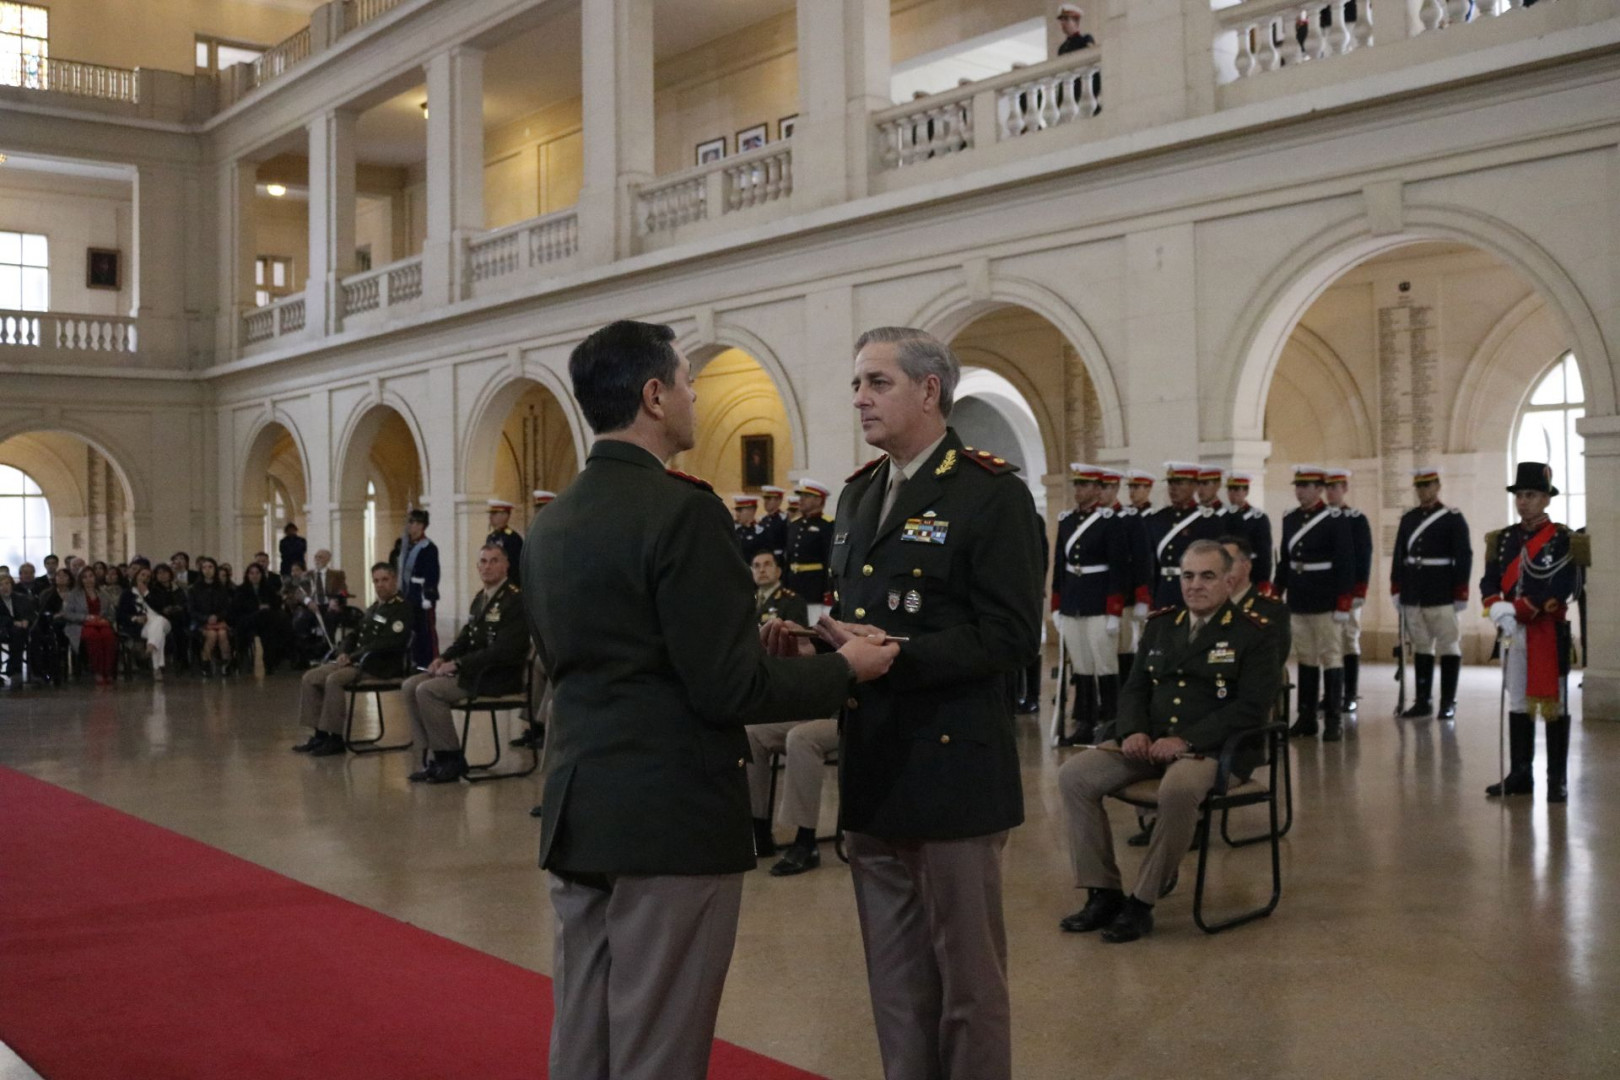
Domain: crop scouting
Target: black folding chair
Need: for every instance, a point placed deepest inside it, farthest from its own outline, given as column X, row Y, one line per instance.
column 376, row 686
column 494, row 705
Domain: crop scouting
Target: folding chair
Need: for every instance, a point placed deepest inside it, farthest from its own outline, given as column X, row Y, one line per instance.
column 376, row 686
column 494, row 705
column 1225, row 797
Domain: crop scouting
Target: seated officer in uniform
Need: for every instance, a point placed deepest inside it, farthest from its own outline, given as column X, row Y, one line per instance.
column 383, row 634
column 1202, row 674
column 494, row 640
column 1247, row 596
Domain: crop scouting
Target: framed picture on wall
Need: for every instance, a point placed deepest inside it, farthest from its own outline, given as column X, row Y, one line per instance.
column 711, row 151
column 753, row 138
column 784, row 126
column 758, row 461
column 101, row 269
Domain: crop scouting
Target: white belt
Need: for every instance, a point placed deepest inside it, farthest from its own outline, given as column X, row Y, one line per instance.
column 1089, row 568
column 1414, row 560
column 1170, row 571
column 1302, row 567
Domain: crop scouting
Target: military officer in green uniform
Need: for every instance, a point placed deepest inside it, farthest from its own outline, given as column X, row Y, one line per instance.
column 1246, row 596
column 1203, row 673
column 489, row 656
column 772, row 599
column 377, row 648
column 644, row 617
column 502, row 533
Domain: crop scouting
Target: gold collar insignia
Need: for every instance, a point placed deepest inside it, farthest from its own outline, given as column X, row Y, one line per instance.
column 947, row 463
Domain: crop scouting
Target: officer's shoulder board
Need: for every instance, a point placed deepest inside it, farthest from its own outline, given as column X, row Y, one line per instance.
column 1256, row 618
column 1352, row 512
column 695, row 481
column 785, row 591
column 1580, row 549
column 868, row 467
column 1158, row 612
column 987, row 461
column 1492, row 537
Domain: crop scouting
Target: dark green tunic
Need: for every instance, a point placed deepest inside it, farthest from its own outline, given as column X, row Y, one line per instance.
column 384, row 631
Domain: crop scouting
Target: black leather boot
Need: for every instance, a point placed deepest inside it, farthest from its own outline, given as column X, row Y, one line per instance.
column 764, row 842
column 1352, row 682
column 1423, row 696
column 1521, row 756
column 1308, row 699
column 1107, row 707
column 1085, row 711
column 1558, row 760
column 1450, row 670
column 1332, row 696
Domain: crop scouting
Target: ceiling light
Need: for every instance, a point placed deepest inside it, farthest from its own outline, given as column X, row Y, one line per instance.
column 275, row 191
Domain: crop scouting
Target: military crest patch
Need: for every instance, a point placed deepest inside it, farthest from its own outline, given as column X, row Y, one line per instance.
column 913, row 602
column 894, row 599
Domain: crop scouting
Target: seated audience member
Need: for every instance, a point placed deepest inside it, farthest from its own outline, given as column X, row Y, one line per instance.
column 140, row 616
column 377, row 648
column 263, row 559
column 495, row 640
column 47, row 579
column 88, row 621
column 292, row 548
column 27, row 582
column 256, row 612
column 209, row 603
column 1201, row 674
column 227, row 575
column 17, row 615
column 100, row 569
column 184, row 575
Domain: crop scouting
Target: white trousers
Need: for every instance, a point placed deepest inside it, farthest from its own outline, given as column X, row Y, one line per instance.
column 1350, row 634
column 155, row 632
column 1092, row 648
column 1318, row 641
column 1433, row 630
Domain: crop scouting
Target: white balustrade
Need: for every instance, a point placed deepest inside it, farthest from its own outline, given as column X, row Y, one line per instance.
column 67, row 332
column 280, row 319
column 405, row 281
column 523, row 246
column 386, row 286
column 1023, row 101
column 1272, row 34
column 721, row 187
column 70, row 77
column 357, row 13
column 279, row 57
column 759, row 179
column 668, row 204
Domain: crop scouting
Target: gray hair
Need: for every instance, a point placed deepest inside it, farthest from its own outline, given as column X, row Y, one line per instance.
column 1209, row 547
column 921, row 354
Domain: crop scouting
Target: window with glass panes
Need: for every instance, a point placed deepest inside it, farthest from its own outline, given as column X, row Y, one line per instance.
column 25, row 520
column 272, row 278
column 1546, row 432
column 25, row 272
column 24, row 33
column 219, row 54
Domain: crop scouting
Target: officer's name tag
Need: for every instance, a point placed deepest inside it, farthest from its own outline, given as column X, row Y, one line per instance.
column 1220, row 654
column 493, row 616
column 925, row 530
column 379, row 617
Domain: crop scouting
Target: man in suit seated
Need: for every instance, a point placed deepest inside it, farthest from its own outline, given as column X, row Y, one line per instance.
column 16, row 619
column 1201, row 674
column 494, row 641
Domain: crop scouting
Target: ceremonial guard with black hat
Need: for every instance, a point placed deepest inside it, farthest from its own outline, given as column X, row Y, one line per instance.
column 1532, row 570
column 1361, row 544
column 1091, row 579
column 1429, row 579
column 1316, row 575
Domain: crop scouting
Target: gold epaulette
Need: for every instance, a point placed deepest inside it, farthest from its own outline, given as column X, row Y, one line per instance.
column 1580, row 548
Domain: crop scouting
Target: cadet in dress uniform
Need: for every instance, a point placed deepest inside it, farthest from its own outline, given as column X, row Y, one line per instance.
column 1532, row 569
column 1316, row 576
column 746, row 530
column 384, row 633
column 1205, row 671
column 1208, row 489
column 1091, row 579
column 773, row 520
column 1135, row 599
column 809, row 540
column 502, row 533
column 1251, row 523
column 490, row 655
column 1361, row 544
column 1429, row 578
column 418, row 567
column 1139, row 494
column 1171, row 528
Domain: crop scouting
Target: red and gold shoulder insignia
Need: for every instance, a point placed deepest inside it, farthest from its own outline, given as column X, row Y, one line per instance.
column 695, row 481
column 1156, row 612
column 988, row 461
column 1257, row 618
column 868, row 467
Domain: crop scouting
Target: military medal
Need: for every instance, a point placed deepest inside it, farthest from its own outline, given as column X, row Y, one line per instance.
column 894, row 599
column 913, row 602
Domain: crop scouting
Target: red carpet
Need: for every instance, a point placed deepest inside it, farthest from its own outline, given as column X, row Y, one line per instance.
column 133, row 953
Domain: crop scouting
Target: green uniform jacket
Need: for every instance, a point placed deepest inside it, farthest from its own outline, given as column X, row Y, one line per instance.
column 928, row 752
column 1279, row 619
column 494, row 640
column 1203, row 691
column 644, row 617
column 384, row 632
column 784, row 603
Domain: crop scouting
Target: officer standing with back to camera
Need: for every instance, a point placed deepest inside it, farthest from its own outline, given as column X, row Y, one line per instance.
column 502, row 533
column 1316, row 576
column 1429, row 576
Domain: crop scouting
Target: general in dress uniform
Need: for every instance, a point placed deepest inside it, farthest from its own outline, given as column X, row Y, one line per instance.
column 1316, row 576
column 1429, row 577
column 1532, row 570
column 1171, row 528
column 502, row 533
column 1251, row 523
column 1091, row 579
column 809, row 541
column 376, row 648
column 1361, row 545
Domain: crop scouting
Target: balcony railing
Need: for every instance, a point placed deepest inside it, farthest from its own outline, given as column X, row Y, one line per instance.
column 385, row 287
column 284, row 317
column 67, row 332
column 357, row 13
column 70, row 77
column 525, row 246
column 1024, row 101
column 722, row 187
column 279, row 57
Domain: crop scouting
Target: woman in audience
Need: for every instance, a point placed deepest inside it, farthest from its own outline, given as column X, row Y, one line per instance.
column 227, row 575
column 113, row 590
column 101, row 573
column 50, row 630
column 88, row 620
column 170, row 603
column 256, row 612
column 209, row 601
column 140, row 615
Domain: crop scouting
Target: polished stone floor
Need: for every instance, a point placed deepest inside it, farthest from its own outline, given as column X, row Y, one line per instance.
column 1424, row 931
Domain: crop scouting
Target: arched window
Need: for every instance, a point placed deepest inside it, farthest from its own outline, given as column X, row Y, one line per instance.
column 1546, row 432
column 25, row 521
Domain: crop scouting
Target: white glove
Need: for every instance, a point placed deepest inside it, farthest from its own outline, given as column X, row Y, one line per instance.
column 427, row 605
column 1111, row 624
column 1502, row 609
column 1357, row 603
column 1459, row 606
column 1341, row 616
column 1140, row 611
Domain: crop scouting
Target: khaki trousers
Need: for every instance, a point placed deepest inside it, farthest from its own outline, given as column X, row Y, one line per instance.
column 322, row 703
column 639, row 965
column 806, row 744
column 1088, row 777
column 1350, row 634
column 936, row 954
column 427, row 701
column 1318, row 640
column 1092, row 649
column 1433, row 630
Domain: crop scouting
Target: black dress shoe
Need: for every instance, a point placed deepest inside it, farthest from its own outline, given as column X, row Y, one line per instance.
column 797, row 859
column 313, row 743
column 332, row 746
column 1102, row 907
column 534, row 738
column 1143, row 838
column 1028, row 706
column 1448, row 710
column 1332, row 730
column 537, row 810
column 1135, row 920
column 1419, row 711
column 1304, row 727
column 446, row 771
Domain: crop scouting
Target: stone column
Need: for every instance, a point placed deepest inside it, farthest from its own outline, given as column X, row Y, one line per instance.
column 455, row 168
column 833, row 444
column 237, row 247
column 843, row 78
column 1251, row 455
column 1601, row 679
column 617, row 92
column 331, row 219
column 1160, row 384
column 440, row 483
column 346, row 539
column 157, row 295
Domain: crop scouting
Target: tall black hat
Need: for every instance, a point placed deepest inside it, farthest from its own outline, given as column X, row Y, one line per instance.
column 1533, row 476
